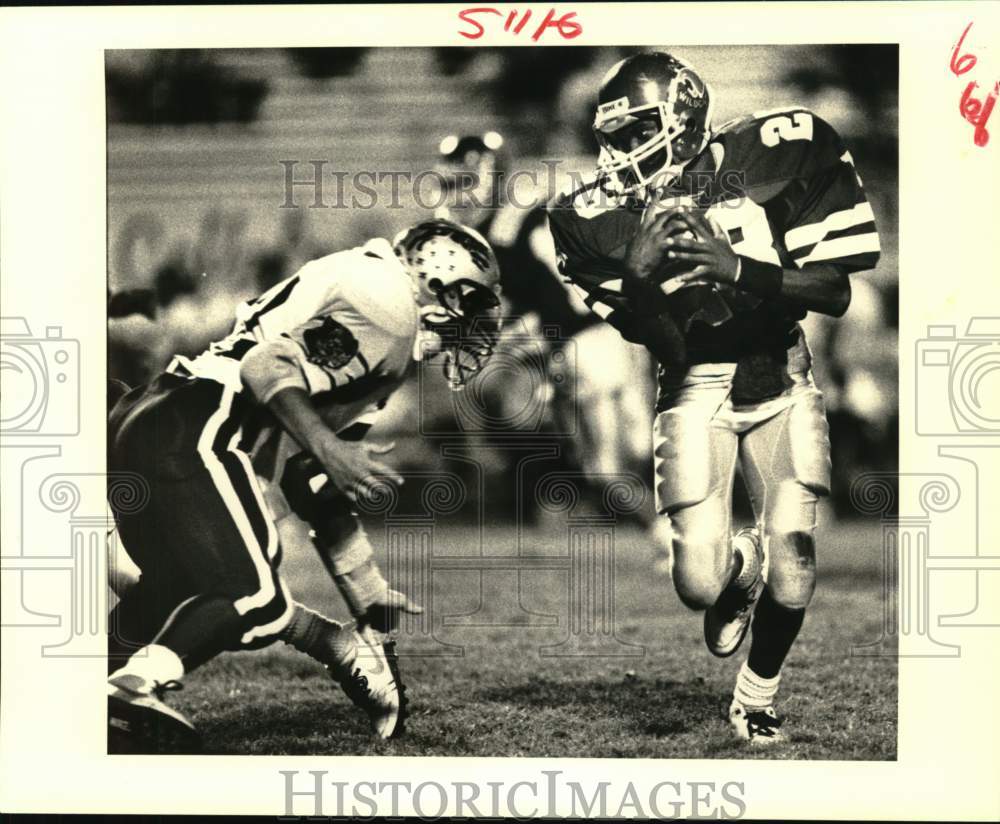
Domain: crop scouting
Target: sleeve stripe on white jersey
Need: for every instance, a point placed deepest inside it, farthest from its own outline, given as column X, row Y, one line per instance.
column 602, row 310
column 843, row 247
column 815, row 232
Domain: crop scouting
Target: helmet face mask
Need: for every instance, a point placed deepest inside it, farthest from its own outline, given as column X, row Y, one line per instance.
column 653, row 118
column 457, row 280
column 638, row 149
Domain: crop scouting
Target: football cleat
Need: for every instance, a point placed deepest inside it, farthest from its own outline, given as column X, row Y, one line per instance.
column 758, row 726
column 140, row 723
column 728, row 619
column 372, row 681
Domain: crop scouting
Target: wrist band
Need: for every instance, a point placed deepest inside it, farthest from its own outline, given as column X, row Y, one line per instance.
column 763, row 279
column 361, row 587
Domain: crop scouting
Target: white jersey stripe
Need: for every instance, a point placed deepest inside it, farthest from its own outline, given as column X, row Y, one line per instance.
column 602, row 310
column 227, row 492
column 815, row 232
column 278, row 624
column 843, row 247
column 272, row 533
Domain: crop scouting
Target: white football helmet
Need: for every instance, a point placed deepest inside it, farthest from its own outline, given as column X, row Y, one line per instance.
column 458, row 289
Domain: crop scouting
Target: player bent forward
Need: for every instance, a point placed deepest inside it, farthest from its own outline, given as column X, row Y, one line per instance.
column 708, row 246
column 290, row 393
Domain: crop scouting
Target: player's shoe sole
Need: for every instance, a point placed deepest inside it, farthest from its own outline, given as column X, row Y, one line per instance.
column 758, row 727
column 728, row 619
column 375, row 684
column 144, row 725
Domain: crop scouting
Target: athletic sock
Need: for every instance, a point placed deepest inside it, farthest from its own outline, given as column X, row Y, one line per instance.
column 201, row 628
column 152, row 665
column 754, row 692
column 775, row 629
column 320, row 638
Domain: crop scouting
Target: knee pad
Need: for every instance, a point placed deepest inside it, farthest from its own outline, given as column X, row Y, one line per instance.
column 697, row 588
column 791, row 568
column 700, row 556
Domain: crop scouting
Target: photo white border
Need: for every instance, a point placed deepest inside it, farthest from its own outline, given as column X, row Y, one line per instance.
column 53, row 261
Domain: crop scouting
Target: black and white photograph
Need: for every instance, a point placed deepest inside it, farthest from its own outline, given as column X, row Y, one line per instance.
column 502, row 401
column 559, row 410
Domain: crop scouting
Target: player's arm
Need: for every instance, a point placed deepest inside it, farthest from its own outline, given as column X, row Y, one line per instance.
column 815, row 287
column 640, row 313
column 351, row 466
column 828, row 227
column 321, row 486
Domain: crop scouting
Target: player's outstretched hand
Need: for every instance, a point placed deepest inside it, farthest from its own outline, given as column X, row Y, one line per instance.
column 352, row 465
column 709, row 251
column 383, row 615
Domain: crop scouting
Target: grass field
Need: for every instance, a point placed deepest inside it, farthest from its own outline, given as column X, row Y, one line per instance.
column 503, row 698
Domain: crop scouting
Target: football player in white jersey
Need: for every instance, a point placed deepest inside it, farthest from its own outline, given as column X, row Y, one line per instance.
column 288, row 396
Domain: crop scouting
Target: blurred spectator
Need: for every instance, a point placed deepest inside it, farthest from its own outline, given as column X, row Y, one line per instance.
column 324, row 63
column 178, row 87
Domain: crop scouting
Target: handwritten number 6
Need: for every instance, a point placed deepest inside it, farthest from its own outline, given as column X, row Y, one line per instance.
column 798, row 126
column 960, row 65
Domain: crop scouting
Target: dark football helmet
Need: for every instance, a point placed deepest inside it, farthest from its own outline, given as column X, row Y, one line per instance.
column 653, row 117
column 458, row 288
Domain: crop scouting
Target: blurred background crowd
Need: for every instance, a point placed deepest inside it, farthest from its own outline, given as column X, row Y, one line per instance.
column 202, row 146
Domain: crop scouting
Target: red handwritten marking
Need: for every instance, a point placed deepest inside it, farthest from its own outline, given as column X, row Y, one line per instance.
column 960, row 65
column 465, row 17
column 565, row 25
column 977, row 112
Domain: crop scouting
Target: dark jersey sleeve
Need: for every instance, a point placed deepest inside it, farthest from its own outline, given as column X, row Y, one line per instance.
column 528, row 281
column 591, row 232
column 590, row 237
column 823, row 214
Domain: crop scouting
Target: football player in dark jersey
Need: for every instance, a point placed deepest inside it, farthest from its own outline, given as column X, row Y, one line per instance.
column 611, row 387
column 708, row 245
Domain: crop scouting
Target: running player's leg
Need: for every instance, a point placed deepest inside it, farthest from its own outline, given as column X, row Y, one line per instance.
column 786, row 464
column 694, row 463
column 205, row 526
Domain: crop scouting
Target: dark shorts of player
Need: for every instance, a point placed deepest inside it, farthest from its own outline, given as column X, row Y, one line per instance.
column 205, row 529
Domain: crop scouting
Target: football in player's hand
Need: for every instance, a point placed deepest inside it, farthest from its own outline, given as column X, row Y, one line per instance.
column 675, row 227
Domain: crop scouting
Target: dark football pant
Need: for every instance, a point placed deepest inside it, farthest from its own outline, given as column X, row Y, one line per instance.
column 205, row 530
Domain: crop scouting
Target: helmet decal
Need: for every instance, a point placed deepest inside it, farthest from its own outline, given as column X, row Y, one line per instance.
column 653, row 117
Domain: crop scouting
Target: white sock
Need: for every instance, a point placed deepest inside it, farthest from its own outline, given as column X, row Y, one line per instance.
column 151, row 665
column 755, row 692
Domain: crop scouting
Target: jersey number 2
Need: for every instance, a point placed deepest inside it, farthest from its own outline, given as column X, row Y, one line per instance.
column 797, row 126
